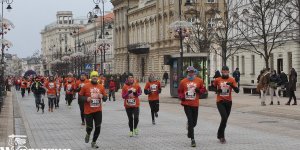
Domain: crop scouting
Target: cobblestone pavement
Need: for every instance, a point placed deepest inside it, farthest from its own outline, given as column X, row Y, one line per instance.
column 245, row 131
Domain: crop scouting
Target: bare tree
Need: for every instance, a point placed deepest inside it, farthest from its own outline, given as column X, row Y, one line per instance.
column 226, row 43
column 293, row 13
column 263, row 24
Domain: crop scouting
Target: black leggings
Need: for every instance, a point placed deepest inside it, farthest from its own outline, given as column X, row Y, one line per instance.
column 192, row 117
column 90, row 118
column 154, row 106
column 23, row 92
column 56, row 102
column 51, row 102
column 69, row 98
column 292, row 95
column 28, row 90
column 81, row 107
column 133, row 115
column 224, row 108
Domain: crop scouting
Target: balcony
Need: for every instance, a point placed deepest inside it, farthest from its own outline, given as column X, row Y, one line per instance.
column 139, row 48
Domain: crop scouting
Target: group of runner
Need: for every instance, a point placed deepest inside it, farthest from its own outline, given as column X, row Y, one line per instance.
column 92, row 93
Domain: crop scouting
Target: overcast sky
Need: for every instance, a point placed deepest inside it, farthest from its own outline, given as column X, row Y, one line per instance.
column 31, row 16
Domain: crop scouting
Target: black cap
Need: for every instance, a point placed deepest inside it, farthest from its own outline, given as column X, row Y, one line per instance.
column 225, row 68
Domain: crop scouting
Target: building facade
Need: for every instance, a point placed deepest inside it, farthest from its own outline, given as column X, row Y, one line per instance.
column 144, row 41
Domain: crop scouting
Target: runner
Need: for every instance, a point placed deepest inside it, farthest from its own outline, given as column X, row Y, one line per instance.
column 51, row 92
column 189, row 91
column 58, row 83
column 93, row 94
column 224, row 86
column 38, row 90
column 153, row 89
column 69, row 88
column 130, row 93
column 79, row 85
column 29, row 82
column 23, row 86
column 112, row 88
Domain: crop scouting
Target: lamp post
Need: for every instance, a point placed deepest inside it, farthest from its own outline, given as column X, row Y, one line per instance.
column 3, row 28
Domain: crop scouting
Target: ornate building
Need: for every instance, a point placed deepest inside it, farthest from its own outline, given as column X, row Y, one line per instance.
column 145, row 43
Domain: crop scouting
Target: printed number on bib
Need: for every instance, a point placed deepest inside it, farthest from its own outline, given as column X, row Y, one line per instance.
column 131, row 102
column 225, row 89
column 190, row 95
column 153, row 87
column 95, row 103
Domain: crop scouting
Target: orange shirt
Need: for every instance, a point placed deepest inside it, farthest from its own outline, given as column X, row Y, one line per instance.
column 187, row 91
column 154, row 87
column 93, row 91
column 51, row 88
column 130, row 100
column 80, row 84
column 70, row 87
column 24, row 84
column 226, row 89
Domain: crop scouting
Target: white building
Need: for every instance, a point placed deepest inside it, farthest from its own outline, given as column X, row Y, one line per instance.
column 250, row 64
column 57, row 40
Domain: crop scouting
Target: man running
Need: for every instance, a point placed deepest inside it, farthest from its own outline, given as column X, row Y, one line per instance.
column 130, row 93
column 153, row 89
column 224, row 86
column 79, row 85
column 38, row 89
column 112, row 88
column 93, row 94
column 51, row 92
column 189, row 91
column 58, row 83
column 23, row 86
column 69, row 88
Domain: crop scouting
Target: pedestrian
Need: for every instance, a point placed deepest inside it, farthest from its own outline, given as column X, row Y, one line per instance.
column 263, row 85
column 69, row 88
column 23, row 87
column 166, row 77
column 58, row 82
column 274, row 86
column 217, row 74
column 18, row 83
column 237, row 75
column 189, row 91
column 224, row 86
column 29, row 82
column 130, row 93
column 112, row 88
column 79, row 85
column 51, row 92
column 153, row 89
column 38, row 90
column 292, row 86
column 93, row 94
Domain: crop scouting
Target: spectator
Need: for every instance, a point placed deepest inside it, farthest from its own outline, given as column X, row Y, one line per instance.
column 274, row 82
column 166, row 77
column 237, row 75
column 292, row 86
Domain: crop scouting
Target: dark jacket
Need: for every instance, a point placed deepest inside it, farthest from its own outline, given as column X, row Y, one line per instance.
column 37, row 88
column 274, row 81
column 165, row 76
column 236, row 74
column 217, row 74
column 292, row 82
column 283, row 78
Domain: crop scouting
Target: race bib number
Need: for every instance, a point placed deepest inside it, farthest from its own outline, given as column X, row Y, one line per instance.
column 131, row 102
column 69, row 88
column 153, row 88
column 51, row 85
column 95, row 103
column 225, row 89
column 81, row 85
column 190, row 95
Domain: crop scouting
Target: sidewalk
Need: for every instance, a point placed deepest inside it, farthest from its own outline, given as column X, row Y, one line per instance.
column 6, row 123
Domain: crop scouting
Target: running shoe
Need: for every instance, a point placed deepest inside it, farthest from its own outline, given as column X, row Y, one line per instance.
column 136, row 131
column 87, row 138
column 131, row 134
column 193, row 143
column 94, row 145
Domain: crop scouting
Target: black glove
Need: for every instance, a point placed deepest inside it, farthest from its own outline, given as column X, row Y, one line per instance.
column 159, row 91
column 104, row 98
column 146, row 92
column 229, row 83
column 219, row 91
column 130, row 91
column 197, row 90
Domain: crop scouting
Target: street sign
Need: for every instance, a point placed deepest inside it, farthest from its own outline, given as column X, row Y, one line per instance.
column 88, row 66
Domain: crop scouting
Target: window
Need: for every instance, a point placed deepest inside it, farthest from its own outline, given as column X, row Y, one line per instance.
column 211, row 23
column 253, row 64
column 243, row 65
column 237, row 62
column 210, row 1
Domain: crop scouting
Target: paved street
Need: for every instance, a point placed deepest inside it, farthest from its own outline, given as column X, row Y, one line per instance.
column 246, row 130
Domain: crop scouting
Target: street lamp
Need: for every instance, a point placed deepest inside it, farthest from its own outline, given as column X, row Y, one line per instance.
column 4, row 26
